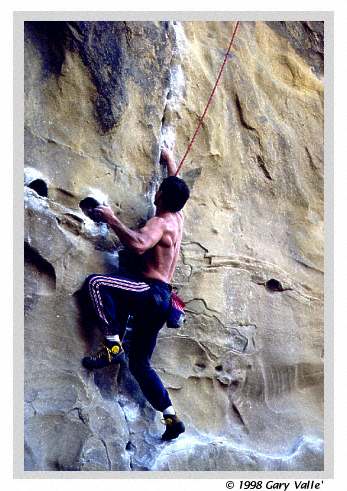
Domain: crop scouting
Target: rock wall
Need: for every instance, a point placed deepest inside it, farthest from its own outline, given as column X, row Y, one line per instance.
column 245, row 372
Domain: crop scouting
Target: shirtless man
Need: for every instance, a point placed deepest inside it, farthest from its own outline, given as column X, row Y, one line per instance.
column 146, row 296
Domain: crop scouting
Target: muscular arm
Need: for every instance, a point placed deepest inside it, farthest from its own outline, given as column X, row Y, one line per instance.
column 177, row 247
column 138, row 240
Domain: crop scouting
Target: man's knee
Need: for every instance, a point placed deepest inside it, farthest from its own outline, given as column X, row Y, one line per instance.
column 89, row 279
column 85, row 291
column 88, row 283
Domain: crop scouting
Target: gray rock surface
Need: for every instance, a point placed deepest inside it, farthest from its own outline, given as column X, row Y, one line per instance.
column 245, row 372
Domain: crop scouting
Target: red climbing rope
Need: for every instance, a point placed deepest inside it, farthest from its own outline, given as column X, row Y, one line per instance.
column 209, row 99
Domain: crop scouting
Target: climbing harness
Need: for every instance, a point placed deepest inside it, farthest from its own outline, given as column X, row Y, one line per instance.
column 209, row 99
column 176, row 316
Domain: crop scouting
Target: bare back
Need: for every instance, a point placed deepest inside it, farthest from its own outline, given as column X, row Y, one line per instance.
column 160, row 261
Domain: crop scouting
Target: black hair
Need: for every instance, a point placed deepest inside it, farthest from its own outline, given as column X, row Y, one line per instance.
column 175, row 193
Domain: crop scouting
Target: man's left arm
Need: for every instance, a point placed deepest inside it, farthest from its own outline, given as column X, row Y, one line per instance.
column 138, row 240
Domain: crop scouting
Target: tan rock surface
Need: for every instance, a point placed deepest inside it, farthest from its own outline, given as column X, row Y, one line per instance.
column 246, row 370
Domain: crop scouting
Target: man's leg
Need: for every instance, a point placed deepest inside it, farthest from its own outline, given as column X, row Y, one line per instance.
column 142, row 346
column 110, row 296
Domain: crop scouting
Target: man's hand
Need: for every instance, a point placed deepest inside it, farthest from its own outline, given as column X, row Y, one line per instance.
column 104, row 213
column 166, row 157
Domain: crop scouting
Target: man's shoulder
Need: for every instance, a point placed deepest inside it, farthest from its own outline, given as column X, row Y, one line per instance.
column 156, row 219
column 169, row 220
column 173, row 217
column 156, row 223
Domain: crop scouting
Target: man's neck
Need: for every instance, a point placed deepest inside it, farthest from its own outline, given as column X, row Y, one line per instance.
column 159, row 212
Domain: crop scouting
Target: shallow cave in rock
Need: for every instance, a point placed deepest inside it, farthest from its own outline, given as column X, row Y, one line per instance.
column 40, row 187
column 88, row 206
column 39, row 268
column 274, row 285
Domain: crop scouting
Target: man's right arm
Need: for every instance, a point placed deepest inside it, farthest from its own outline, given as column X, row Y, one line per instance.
column 180, row 218
column 166, row 157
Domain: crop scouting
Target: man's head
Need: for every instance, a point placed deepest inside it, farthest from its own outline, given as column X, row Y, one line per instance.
column 172, row 194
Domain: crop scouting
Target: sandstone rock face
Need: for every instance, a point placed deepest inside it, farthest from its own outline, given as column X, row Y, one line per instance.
column 245, row 372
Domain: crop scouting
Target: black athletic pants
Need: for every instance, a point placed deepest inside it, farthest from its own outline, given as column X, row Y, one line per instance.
column 114, row 297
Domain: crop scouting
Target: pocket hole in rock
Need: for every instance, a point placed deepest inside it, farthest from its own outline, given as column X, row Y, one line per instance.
column 274, row 285
column 218, row 368
column 40, row 187
column 88, row 206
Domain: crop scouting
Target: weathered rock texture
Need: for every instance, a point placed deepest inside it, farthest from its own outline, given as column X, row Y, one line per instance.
column 246, row 371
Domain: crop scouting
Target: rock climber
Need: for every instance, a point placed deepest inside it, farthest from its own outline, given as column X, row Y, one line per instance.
column 145, row 295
